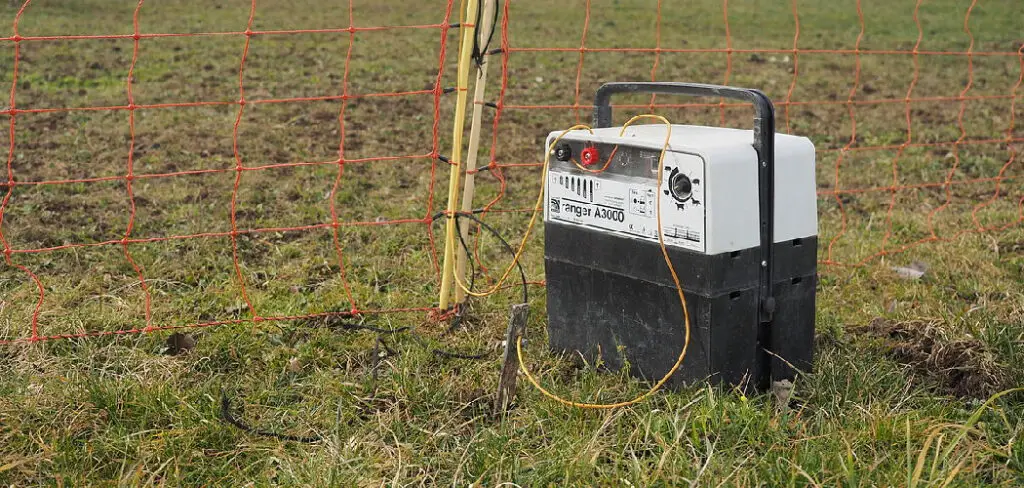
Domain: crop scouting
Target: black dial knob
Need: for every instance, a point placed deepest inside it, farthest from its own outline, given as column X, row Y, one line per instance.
column 680, row 186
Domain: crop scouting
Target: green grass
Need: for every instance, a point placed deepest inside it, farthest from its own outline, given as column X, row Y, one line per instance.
column 892, row 356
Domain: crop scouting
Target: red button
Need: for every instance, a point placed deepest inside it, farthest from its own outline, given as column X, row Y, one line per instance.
column 589, row 156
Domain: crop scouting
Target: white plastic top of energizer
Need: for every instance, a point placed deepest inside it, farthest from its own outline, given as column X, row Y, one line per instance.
column 720, row 214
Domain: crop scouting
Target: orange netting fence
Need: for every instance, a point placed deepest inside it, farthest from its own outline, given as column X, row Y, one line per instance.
column 912, row 107
column 131, row 176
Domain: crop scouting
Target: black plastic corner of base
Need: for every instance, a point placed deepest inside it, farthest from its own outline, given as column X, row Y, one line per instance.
column 792, row 330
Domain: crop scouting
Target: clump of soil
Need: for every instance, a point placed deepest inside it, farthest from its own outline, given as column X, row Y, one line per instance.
column 961, row 367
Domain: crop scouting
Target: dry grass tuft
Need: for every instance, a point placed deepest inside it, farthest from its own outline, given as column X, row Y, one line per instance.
column 963, row 367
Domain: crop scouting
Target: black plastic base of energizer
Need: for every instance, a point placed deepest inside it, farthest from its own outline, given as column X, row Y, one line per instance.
column 614, row 297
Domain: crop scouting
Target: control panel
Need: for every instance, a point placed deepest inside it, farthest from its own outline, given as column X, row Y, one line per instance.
column 623, row 198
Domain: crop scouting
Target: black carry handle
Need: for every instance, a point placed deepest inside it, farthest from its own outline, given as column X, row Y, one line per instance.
column 764, row 145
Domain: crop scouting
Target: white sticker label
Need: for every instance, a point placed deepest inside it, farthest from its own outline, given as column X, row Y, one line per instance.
column 628, row 205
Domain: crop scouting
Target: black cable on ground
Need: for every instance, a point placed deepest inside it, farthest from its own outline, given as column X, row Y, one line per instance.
column 351, row 326
column 225, row 413
column 458, row 355
column 408, row 330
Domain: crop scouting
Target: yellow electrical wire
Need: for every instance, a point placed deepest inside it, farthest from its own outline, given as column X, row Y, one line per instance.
column 672, row 271
column 661, row 243
column 529, row 227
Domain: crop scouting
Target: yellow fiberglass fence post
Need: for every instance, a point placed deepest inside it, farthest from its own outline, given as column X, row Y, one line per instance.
column 450, row 243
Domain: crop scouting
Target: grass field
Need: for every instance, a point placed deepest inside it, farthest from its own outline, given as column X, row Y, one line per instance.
column 903, row 367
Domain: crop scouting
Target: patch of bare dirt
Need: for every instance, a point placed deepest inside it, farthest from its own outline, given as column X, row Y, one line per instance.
column 961, row 367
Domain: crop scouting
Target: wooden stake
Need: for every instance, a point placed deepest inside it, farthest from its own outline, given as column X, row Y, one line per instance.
column 483, row 32
column 510, row 365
